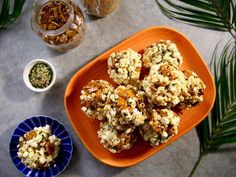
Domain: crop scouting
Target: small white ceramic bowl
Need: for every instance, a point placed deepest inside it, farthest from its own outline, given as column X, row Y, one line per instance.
column 27, row 71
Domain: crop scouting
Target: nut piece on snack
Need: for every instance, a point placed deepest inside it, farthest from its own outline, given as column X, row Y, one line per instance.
column 113, row 140
column 38, row 148
column 192, row 93
column 93, row 98
column 124, row 67
column 163, row 85
column 162, row 125
column 162, row 52
column 126, row 107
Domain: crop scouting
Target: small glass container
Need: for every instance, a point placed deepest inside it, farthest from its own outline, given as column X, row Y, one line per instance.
column 101, row 8
column 59, row 23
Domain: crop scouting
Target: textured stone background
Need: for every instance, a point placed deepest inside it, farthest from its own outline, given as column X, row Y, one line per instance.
column 18, row 46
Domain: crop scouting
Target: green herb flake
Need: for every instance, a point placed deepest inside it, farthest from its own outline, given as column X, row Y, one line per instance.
column 40, row 75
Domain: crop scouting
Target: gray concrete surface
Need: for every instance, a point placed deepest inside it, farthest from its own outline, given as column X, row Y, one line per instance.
column 18, row 46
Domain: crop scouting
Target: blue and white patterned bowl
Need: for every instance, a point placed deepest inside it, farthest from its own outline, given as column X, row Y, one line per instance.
column 66, row 147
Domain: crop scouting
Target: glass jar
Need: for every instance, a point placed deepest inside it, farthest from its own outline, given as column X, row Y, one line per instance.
column 101, row 8
column 59, row 23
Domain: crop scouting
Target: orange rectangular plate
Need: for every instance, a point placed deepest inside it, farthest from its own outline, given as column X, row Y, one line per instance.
column 86, row 128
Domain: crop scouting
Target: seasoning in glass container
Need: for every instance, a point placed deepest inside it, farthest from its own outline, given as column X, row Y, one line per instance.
column 59, row 23
column 101, row 8
column 40, row 75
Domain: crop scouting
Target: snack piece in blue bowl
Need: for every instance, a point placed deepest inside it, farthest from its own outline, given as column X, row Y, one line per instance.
column 40, row 146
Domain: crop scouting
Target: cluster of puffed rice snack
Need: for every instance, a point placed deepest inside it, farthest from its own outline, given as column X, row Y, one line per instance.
column 94, row 97
column 126, row 106
column 145, row 104
column 192, row 93
column 38, row 149
column 113, row 140
column 162, row 125
column 124, row 67
column 163, row 85
column 162, row 52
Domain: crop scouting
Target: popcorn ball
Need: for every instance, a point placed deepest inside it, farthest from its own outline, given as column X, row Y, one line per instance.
column 163, row 85
column 192, row 94
column 162, row 52
column 162, row 125
column 124, row 67
column 126, row 107
column 94, row 97
column 113, row 140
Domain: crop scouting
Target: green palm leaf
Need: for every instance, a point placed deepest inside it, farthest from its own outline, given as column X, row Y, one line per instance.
column 220, row 126
column 212, row 14
column 7, row 17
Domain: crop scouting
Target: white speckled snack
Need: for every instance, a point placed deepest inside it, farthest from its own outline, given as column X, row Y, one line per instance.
column 38, row 149
column 162, row 52
column 193, row 92
column 124, row 67
column 94, row 97
column 113, row 140
column 162, row 125
column 163, row 85
column 126, row 106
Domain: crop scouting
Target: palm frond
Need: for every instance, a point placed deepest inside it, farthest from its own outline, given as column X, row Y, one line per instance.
column 7, row 17
column 212, row 14
column 220, row 126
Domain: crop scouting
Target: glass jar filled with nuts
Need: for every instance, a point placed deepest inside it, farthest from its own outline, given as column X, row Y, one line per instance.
column 59, row 23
